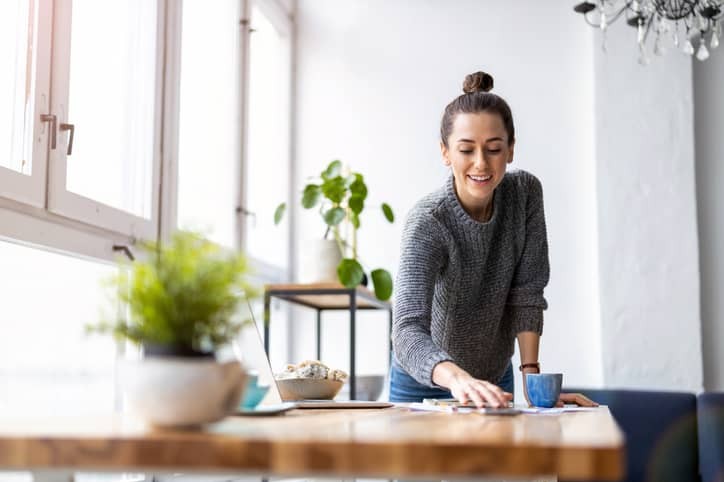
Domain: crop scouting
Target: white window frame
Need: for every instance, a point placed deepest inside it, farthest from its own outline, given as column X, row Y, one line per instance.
column 33, row 227
column 37, row 210
column 72, row 205
column 283, row 22
column 30, row 189
column 168, row 195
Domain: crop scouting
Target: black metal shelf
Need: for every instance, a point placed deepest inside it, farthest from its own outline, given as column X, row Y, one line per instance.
column 327, row 297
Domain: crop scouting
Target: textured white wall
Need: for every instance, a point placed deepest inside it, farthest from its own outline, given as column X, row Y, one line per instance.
column 647, row 218
column 373, row 79
column 709, row 122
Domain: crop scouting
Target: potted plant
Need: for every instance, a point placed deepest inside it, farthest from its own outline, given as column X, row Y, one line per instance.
column 340, row 199
column 183, row 303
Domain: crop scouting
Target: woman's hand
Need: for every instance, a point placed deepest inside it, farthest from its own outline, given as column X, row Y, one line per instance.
column 466, row 388
column 480, row 392
column 577, row 398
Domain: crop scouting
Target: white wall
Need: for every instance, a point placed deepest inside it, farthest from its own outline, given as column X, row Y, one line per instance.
column 709, row 122
column 373, row 79
column 647, row 218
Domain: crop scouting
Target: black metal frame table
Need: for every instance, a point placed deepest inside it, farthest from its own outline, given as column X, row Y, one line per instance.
column 323, row 297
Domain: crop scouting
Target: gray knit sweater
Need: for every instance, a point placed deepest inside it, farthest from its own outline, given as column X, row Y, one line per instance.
column 464, row 288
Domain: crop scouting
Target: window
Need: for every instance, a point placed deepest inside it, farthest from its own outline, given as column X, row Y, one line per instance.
column 130, row 89
column 81, row 130
column 234, row 124
column 47, row 364
column 24, row 97
column 14, row 88
column 130, row 129
column 105, row 79
column 209, row 119
column 106, row 97
column 267, row 178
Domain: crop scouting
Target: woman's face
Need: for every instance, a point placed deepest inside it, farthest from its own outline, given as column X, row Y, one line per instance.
column 478, row 153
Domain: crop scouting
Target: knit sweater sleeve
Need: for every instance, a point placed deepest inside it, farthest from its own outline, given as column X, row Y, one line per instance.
column 525, row 303
column 421, row 259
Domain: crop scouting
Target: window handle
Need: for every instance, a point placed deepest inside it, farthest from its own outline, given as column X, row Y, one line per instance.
column 52, row 119
column 71, row 128
column 247, row 213
column 125, row 250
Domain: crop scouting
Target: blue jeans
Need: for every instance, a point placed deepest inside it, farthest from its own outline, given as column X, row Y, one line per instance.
column 404, row 388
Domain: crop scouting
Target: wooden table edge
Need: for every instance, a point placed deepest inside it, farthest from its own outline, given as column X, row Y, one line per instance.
column 298, row 457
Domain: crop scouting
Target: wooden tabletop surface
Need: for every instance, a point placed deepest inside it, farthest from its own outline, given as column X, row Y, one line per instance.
column 394, row 442
column 365, row 298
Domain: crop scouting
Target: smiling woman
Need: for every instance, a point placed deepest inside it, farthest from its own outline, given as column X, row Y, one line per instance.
column 473, row 266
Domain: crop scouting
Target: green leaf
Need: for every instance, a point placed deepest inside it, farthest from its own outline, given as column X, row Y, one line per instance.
column 185, row 293
column 334, row 216
column 334, row 189
column 358, row 187
column 387, row 211
column 279, row 213
column 350, row 273
column 333, row 170
column 311, row 195
column 356, row 203
column 383, row 284
column 354, row 219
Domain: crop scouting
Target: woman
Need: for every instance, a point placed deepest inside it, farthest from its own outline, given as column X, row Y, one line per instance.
column 473, row 266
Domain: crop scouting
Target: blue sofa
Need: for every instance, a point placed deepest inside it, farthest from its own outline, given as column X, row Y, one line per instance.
column 661, row 432
column 710, row 419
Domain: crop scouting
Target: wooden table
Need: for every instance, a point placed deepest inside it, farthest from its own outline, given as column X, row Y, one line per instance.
column 389, row 443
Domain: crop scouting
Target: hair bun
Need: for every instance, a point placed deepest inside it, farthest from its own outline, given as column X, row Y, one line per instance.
column 477, row 82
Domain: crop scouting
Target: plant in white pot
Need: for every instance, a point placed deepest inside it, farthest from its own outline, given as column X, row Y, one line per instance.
column 183, row 304
column 340, row 198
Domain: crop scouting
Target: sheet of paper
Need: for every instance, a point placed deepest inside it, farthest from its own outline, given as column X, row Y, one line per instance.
column 439, row 408
column 556, row 410
column 530, row 410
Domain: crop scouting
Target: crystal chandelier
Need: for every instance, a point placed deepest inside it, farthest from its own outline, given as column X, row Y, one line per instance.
column 687, row 21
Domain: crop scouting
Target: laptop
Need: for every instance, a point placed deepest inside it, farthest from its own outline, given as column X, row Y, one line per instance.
column 250, row 350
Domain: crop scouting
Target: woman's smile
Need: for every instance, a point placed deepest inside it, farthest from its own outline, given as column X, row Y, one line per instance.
column 480, row 180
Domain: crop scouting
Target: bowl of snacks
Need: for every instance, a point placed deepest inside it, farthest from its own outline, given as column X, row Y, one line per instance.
column 310, row 380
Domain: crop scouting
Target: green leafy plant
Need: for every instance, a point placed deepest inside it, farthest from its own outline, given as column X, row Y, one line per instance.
column 186, row 294
column 340, row 198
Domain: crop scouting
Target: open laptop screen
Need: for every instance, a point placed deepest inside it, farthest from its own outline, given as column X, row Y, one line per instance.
column 254, row 357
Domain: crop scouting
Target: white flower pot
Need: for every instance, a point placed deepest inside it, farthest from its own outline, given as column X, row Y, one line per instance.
column 319, row 260
column 178, row 391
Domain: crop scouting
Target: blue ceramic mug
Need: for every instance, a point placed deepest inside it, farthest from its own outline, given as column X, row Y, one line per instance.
column 544, row 389
column 253, row 393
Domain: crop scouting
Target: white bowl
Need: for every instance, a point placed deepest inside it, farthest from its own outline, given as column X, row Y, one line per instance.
column 369, row 387
column 308, row 388
column 176, row 391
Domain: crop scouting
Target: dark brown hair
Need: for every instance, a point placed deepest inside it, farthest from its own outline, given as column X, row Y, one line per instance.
column 477, row 98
